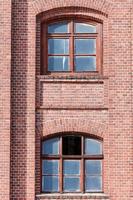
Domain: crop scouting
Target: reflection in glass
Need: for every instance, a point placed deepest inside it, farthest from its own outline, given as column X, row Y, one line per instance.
column 93, row 147
column 84, row 28
column 71, row 145
column 85, row 46
column 60, row 27
column 71, row 184
column 71, row 167
column 93, row 167
column 58, row 46
column 58, row 63
column 93, row 183
column 50, row 167
column 50, row 184
column 51, row 146
column 85, row 63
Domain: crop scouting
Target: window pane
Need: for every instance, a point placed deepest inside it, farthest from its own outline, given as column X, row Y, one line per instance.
column 85, row 63
column 58, row 63
column 58, row 46
column 61, row 27
column 51, row 146
column 93, row 183
column 71, row 145
column 84, row 28
column 93, row 147
column 71, row 167
column 71, row 184
column 50, row 167
column 50, row 184
column 85, row 46
column 93, row 167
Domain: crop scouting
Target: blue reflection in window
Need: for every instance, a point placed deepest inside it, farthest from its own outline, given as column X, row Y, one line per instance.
column 93, row 147
column 50, row 184
column 50, row 167
column 93, row 183
column 51, row 146
column 85, row 46
column 58, row 63
column 85, row 63
column 60, row 27
column 58, row 46
column 71, row 167
column 71, row 184
column 93, row 167
column 84, row 28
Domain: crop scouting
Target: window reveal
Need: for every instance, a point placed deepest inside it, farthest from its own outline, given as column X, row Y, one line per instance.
column 71, row 164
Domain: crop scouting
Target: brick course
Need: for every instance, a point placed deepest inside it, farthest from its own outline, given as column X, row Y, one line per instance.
column 42, row 105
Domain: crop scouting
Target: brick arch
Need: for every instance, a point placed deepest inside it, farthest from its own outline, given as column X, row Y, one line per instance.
column 76, row 125
column 102, row 6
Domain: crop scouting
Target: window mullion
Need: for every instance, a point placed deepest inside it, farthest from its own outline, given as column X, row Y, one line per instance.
column 61, row 169
column 71, row 46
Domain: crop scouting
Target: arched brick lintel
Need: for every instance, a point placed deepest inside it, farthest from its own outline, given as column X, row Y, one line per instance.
column 103, row 6
column 74, row 125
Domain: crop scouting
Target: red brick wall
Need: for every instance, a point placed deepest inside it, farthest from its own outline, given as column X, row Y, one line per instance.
column 5, row 68
column 100, row 105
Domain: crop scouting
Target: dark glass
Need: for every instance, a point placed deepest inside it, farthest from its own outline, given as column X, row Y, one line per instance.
column 71, row 145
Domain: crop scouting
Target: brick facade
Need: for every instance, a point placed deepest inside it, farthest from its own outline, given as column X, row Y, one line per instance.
column 33, row 106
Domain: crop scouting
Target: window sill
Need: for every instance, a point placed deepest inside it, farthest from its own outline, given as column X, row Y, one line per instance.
column 76, row 196
column 71, row 78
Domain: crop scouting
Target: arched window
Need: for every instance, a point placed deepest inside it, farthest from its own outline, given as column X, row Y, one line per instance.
column 71, row 46
column 71, row 164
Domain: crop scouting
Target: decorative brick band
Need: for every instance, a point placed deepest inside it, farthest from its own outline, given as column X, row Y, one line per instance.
column 102, row 6
column 74, row 125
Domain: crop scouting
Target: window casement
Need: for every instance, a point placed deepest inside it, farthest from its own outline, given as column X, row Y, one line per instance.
column 71, row 164
column 71, row 45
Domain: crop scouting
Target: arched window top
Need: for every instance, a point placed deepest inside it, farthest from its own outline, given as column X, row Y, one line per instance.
column 65, row 26
column 72, row 145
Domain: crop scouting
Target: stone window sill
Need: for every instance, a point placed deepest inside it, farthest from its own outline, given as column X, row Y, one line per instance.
column 70, row 196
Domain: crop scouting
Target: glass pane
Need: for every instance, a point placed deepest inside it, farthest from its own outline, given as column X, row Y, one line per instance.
column 61, row 27
column 71, row 145
column 93, row 147
column 51, row 146
column 93, row 183
column 58, row 46
column 50, row 167
column 50, row 184
column 58, row 63
column 84, row 28
column 85, row 46
column 71, row 167
column 93, row 167
column 71, row 184
column 85, row 63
